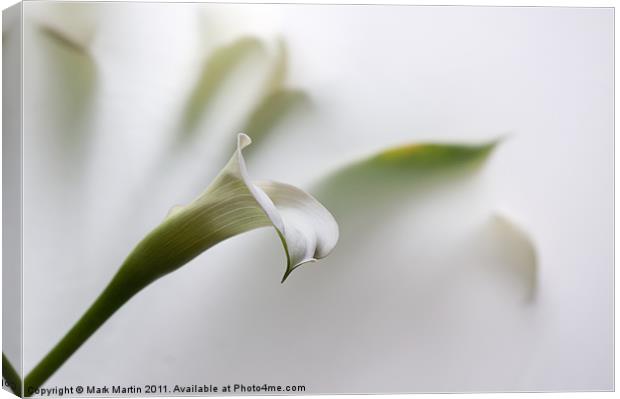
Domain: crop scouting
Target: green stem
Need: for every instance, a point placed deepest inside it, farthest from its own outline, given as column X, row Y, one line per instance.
column 145, row 264
column 122, row 287
column 159, row 253
column 11, row 376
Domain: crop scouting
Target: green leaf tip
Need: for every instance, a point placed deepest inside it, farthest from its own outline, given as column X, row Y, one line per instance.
column 387, row 177
column 432, row 155
column 395, row 164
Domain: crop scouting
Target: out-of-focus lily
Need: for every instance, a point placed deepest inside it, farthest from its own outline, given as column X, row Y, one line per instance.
column 230, row 205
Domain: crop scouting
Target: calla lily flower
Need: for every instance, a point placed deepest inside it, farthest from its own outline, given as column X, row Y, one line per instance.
column 231, row 205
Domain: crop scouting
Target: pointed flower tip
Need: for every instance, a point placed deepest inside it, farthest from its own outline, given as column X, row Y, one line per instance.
column 243, row 140
column 290, row 269
column 286, row 274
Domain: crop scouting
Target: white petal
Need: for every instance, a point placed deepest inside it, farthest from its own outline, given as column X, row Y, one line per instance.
column 310, row 231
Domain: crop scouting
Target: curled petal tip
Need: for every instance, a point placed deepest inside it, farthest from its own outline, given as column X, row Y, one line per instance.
column 243, row 140
column 289, row 270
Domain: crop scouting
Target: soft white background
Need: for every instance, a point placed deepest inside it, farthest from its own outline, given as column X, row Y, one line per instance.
column 378, row 77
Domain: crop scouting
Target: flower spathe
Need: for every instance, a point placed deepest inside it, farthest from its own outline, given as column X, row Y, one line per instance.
column 233, row 204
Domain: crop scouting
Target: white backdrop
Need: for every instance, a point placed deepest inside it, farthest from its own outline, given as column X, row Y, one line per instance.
column 400, row 307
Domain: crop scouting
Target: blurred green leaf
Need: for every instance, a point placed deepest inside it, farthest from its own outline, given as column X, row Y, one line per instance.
column 64, row 39
column 277, row 101
column 424, row 158
column 71, row 79
column 73, row 69
column 273, row 109
column 387, row 176
column 279, row 70
column 215, row 71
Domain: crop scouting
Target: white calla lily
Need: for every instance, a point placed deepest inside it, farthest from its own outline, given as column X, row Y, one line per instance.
column 233, row 204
